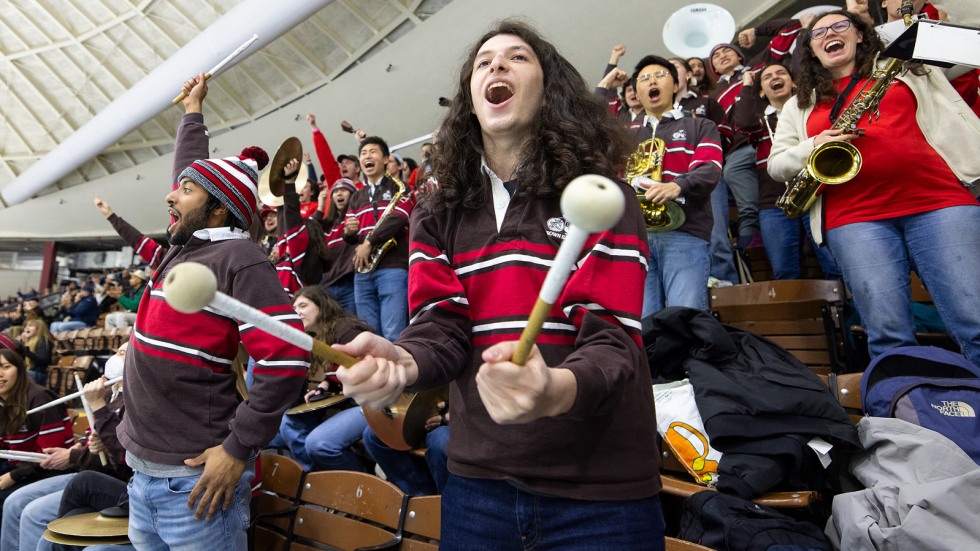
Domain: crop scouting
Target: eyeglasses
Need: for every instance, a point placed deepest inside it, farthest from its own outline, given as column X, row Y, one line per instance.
column 662, row 73
column 838, row 27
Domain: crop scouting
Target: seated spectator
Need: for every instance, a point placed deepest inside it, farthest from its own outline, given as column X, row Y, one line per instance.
column 89, row 492
column 137, row 280
column 412, row 474
column 38, row 346
column 83, row 311
column 317, row 444
column 45, row 430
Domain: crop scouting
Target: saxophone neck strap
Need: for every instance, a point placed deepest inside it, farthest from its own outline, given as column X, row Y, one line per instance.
column 842, row 97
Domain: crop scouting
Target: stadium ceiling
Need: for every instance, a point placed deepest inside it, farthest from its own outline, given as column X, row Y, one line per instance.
column 63, row 61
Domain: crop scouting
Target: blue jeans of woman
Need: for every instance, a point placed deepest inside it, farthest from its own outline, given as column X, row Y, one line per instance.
column 43, row 498
column 159, row 519
column 328, row 446
column 495, row 515
column 877, row 258
column 677, row 272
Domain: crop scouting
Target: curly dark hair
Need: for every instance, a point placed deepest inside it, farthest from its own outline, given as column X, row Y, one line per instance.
column 813, row 77
column 704, row 86
column 575, row 133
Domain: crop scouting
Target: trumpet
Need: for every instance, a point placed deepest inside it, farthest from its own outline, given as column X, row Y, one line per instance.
column 647, row 163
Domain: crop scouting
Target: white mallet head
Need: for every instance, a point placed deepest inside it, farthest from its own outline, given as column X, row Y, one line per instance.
column 592, row 202
column 190, row 287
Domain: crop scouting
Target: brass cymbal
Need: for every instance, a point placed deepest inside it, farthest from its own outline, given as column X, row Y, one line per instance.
column 82, row 541
column 290, row 149
column 265, row 193
column 319, row 404
column 90, row 525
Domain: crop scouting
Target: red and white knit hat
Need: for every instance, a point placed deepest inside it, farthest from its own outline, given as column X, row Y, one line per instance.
column 343, row 183
column 232, row 180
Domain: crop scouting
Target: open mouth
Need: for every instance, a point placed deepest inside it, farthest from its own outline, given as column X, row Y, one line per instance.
column 778, row 85
column 654, row 94
column 174, row 218
column 834, row 46
column 499, row 92
column 368, row 165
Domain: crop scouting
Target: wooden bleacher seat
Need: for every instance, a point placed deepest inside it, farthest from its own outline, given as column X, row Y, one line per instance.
column 761, row 269
column 422, row 524
column 676, row 483
column 274, row 507
column 802, row 316
column 674, row 544
column 348, row 510
column 61, row 377
column 847, row 389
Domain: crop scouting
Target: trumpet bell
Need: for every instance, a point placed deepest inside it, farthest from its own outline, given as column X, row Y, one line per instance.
column 661, row 218
column 694, row 29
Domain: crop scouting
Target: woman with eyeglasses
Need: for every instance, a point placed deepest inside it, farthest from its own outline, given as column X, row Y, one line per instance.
column 908, row 207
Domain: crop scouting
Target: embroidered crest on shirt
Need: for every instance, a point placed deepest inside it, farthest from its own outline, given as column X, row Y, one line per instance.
column 558, row 227
column 680, row 135
column 386, row 196
column 701, row 111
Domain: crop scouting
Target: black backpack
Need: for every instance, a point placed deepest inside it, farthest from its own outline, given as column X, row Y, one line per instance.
column 730, row 523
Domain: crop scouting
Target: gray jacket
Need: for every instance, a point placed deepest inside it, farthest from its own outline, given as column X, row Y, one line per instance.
column 922, row 492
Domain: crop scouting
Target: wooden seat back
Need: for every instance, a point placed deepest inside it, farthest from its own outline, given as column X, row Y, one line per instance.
column 422, row 524
column 274, row 506
column 347, row 510
column 802, row 316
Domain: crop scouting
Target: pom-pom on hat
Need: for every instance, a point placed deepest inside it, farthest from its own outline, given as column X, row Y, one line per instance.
column 343, row 183
column 232, row 180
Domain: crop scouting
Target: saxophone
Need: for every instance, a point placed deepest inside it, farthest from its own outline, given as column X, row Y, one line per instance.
column 837, row 162
column 378, row 251
column 647, row 163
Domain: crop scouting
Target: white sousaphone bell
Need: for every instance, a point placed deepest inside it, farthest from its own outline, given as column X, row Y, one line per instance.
column 694, row 29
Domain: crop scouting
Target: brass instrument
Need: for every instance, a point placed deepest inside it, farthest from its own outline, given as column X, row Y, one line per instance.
column 647, row 163
column 837, row 162
column 378, row 251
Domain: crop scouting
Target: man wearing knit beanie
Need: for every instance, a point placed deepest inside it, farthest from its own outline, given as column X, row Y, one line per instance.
column 723, row 61
column 189, row 437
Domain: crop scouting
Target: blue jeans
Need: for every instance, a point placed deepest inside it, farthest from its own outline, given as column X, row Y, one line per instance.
column 293, row 431
column 343, row 293
column 722, row 261
column 382, row 300
column 677, row 272
column 495, row 515
column 159, row 519
column 743, row 182
column 40, row 377
column 328, row 446
column 410, row 473
column 781, row 237
column 59, row 326
column 877, row 257
column 27, row 512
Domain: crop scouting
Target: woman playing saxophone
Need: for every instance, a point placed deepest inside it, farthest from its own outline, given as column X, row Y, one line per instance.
column 906, row 208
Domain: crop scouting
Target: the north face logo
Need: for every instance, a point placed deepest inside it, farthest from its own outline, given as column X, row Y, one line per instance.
column 680, row 135
column 955, row 408
column 557, row 227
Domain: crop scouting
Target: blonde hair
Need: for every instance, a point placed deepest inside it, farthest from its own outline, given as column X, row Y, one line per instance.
column 41, row 331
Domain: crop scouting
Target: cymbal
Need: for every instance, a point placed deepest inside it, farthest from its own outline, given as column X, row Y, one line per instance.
column 319, row 404
column 90, row 525
column 290, row 149
column 265, row 193
column 82, row 541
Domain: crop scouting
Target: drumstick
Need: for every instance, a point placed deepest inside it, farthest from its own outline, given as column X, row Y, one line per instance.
column 90, row 416
column 190, row 286
column 23, row 456
column 69, row 397
column 591, row 204
column 220, row 65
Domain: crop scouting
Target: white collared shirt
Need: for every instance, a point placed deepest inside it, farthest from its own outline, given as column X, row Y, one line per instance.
column 500, row 195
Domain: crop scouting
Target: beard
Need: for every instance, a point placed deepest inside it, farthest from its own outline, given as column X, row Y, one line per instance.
column 189, row 223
